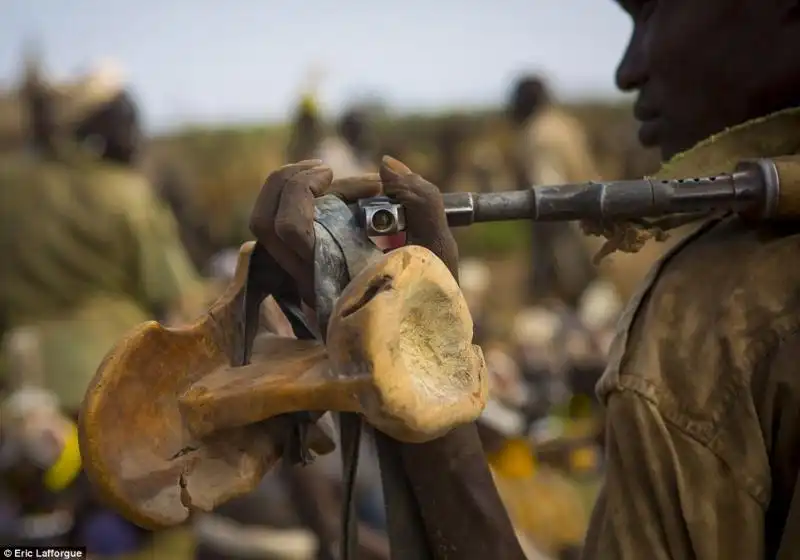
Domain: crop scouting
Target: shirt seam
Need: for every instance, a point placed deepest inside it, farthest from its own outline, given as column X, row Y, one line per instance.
column 647, row 390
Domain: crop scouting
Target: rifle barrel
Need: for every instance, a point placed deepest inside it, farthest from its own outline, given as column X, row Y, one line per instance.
column 609, row 201
column 754, row 187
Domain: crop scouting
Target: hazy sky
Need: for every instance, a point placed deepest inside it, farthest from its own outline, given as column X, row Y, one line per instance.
column 205, row 60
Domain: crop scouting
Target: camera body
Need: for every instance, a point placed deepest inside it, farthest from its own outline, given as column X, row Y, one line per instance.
column 381, row 216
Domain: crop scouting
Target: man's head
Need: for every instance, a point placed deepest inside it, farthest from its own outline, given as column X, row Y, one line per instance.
column 113, row 130
column 702, row 66
column 94, row 110
column 529, row 94
column 307, row 114
column 354, row 128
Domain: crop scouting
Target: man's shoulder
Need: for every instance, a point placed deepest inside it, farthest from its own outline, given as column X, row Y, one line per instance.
column 557, row 133
column 115, row 177
column 332, row 145
column 713, row 313
column 101, row 177
column 22, row 167
column 733, row 276
column 708, row 323
column 120, row 188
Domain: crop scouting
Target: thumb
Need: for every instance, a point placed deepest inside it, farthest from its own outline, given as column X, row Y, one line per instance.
column 417, row 194
column 425, row 216
column 393, row 169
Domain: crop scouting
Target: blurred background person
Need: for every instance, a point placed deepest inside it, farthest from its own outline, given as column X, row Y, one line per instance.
column 551, row 149
column 351, row 150
column 89, row 253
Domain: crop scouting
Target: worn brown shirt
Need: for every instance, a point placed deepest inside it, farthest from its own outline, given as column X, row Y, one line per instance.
column 703, row 387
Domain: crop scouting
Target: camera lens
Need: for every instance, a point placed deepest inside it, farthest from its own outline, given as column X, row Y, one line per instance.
column 383, row 221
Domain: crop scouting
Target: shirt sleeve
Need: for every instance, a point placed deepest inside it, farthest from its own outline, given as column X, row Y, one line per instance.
column 666, row 495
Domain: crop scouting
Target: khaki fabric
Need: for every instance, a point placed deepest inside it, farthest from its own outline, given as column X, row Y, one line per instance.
column 626, row 271
column 88, row 253
column 702, row 389
column 553, row 149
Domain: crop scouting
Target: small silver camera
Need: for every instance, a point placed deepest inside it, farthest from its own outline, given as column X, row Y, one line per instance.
column 380, row 216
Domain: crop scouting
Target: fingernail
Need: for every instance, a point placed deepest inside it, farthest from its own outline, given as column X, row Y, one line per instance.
column 310, row 162
column 396, row 166
column 321, row 176
column 319, row 168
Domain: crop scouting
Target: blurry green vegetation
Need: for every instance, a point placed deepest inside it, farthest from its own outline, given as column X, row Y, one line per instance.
column 493, row 240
